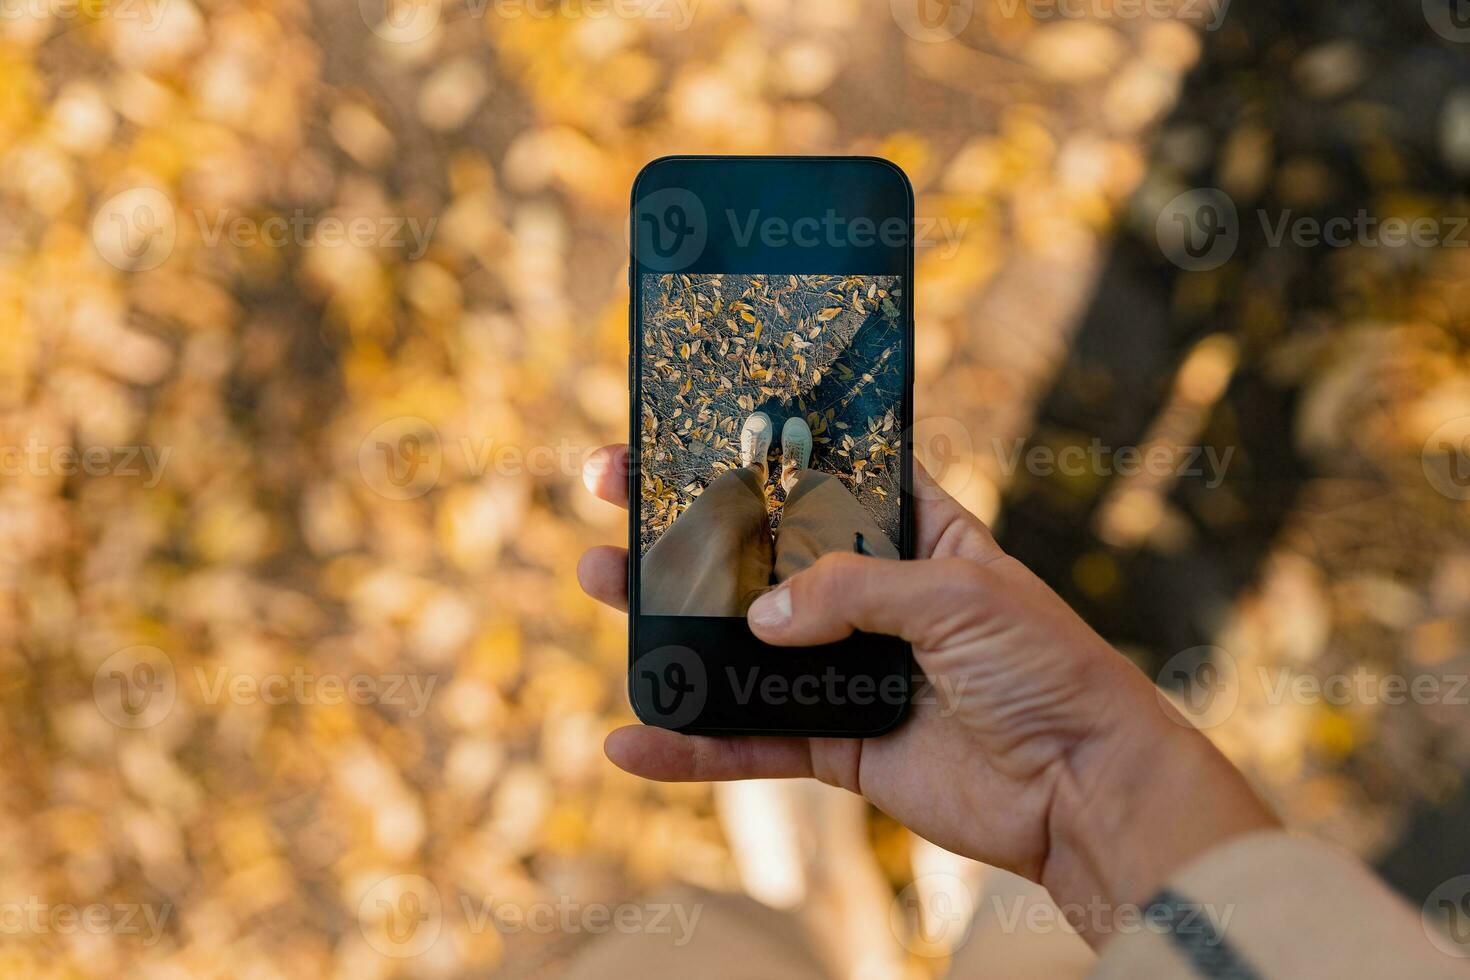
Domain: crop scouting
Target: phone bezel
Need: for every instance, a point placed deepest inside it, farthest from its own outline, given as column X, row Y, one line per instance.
column 728, row 641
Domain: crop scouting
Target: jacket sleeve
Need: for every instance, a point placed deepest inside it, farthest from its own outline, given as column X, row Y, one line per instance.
column 1270, row 906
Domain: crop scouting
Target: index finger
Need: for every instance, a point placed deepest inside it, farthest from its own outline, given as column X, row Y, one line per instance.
column 605, row 473
column 669, row 757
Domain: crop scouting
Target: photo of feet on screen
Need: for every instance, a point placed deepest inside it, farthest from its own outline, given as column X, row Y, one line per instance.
column 777, row 376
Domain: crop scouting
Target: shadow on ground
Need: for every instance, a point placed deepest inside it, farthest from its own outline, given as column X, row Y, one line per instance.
column 1264, row 74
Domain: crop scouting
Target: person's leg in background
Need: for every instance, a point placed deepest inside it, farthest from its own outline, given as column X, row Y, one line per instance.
column 820, row 515
column 803, row 847
column 714, row 561
column 799, row 844
column 709, row 935
column 987, row 922
column 716, row 558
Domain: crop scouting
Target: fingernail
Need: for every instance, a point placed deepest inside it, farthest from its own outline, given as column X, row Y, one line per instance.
column 592, row 469
column 773, row 608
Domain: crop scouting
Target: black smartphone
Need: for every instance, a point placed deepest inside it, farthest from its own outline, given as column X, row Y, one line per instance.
column 771, row 380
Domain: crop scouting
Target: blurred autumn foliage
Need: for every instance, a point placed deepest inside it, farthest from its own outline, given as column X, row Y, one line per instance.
column 365, row 447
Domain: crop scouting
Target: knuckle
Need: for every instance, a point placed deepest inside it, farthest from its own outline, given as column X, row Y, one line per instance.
column 954, row 589
column 951, row 569
column 963, row 578
column 826, row 581
column 835, row 572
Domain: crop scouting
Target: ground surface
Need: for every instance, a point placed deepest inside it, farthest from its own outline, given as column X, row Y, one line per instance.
column 1041, row 152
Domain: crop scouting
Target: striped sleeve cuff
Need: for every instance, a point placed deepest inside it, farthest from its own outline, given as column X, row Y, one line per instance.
column 1270, row 905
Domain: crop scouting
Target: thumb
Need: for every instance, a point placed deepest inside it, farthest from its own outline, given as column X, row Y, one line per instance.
column 920, row 601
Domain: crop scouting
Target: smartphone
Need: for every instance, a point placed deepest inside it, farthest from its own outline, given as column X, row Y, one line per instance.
column 771, row 383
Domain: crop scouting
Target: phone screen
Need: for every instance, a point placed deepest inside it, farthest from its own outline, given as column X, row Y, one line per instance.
column 771, row 417
column 771, row 388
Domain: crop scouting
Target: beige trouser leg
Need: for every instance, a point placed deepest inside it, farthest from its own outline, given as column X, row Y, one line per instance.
column 716, row 558
column 821, row 516
column 702, row 934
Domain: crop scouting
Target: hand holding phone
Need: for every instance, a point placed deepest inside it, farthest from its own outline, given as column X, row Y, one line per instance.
column 1032, row 744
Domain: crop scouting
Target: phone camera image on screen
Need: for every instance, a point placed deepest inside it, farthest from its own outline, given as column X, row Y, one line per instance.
column 771, row 421
column 770, row 409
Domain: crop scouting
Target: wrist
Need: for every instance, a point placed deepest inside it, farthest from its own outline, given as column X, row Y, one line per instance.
column 1132, row 806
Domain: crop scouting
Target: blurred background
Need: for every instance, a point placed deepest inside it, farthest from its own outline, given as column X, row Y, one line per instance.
column 310, row 309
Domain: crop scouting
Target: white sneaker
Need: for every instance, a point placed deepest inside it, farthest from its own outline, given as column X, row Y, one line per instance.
column 755, row 441
column 796, row 450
